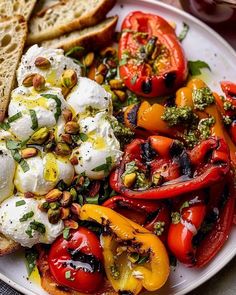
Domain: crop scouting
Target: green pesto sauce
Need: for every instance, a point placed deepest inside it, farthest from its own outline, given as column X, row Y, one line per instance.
column 204, row 127
column 174, row 115
column 202, row 97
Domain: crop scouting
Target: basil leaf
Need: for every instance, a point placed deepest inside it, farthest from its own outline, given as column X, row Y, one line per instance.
column 15, row 117
column 104, row 167
column 34, row 120
column 100, row 168
column 184, row 32
column 13, row 145
column 74, row 50
column 66, row 233
column 58, row 103
column 196, row 66
column 5, row 126
column 24, row 165
column 31, row 257
column 26, row 216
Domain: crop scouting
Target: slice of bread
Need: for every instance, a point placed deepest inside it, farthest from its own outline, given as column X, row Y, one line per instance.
column 7, row 246
column 14, row 7
column 98, row 35
column 65, row 17
column 13, row 33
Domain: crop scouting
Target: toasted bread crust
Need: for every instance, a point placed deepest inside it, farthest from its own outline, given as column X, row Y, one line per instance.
column 17, row 7
column 13, row 32
column 101, row 36
column 7, row 246
column 88, row 19
column 49, row 284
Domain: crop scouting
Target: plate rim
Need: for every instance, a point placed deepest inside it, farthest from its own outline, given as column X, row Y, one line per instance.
column 232, row 51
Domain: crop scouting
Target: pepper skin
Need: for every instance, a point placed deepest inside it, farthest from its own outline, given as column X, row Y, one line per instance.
column 181, row 233
column 205, row 173
column 152, row 61
column 146, row 213
column 122, row 233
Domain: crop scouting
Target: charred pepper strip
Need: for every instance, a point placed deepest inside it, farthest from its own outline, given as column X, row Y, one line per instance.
column 213, row 169
column 144, row 261
column 191, row 214
column 152, row 215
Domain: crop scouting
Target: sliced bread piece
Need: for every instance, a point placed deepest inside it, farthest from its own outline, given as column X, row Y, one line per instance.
column 65, row 17
column 13, row 33
column 7, row 246
column 97, row 36
column 20, row 7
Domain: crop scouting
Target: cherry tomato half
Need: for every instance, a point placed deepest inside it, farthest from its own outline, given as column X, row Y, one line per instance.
column 77, row 262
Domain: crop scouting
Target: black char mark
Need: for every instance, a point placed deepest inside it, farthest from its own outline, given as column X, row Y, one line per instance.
column 147, row 86
column 125, row 293
column 132, row 115
column 169, row 79
column 147, row 152
column 180, row 156
column 85, row 259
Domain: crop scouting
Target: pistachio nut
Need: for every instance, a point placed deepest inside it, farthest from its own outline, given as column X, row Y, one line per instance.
column 70, row 223
column 28, row 80
column 65, row 137
column 53, row 215
column 28, row 195
column 65, row 213
column 72, row 127
column 116, row 84
column 42, row 63
column 53, row 195
column 62, row 149
column 66, row 199
column 40, row 136
column 75, row 209
column 120, row 94
column 99, row 78
column 89, row 58
column 29, row 153
column 67, row 115
column 69, row 79
column 74, row 161
column 39, row 82
column 102, row 69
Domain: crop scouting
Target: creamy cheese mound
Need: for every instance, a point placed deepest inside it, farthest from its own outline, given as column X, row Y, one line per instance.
column 44, row 173
column 7, row 171
column 15, row 224
column 89, row 94
column 100, row 150
column 59, row 63
column 46, row 109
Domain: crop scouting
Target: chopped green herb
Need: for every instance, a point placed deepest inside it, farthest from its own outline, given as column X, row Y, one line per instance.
column 159, row 227
column 115, row 272
column 13, row 145
column 26, row 216
column 83, row 137
column 227, row 120
column 202, row 97
column 24, row 165
column 184, row 32
column 184, row 205
column 38, row 226
column 34, row 120
column 29, row 233
column 124, row 134
column 68, row 274
column 5, row 126
column 31, row 256
column 175, row 216
column 66, row 233
column 15, row 117
column 58, row 103
column 17, row 157
column 196, row 66
column 93, row 200
column 177, row 115
column 73, row 50
column 20, row 203
column 228, row 106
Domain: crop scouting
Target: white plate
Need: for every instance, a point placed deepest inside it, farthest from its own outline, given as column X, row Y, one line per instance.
column 201, row 43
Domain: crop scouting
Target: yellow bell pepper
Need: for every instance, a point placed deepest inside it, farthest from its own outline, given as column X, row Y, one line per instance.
column 134, row 257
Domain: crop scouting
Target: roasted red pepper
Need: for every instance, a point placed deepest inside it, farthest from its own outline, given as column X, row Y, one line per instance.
column 153, row 215
column 152, row 61
column 186, row 221
column 165, row 169
column 199, row 229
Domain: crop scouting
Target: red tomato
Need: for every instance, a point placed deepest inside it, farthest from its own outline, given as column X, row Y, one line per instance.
column 152, row 61
column 77, row 262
